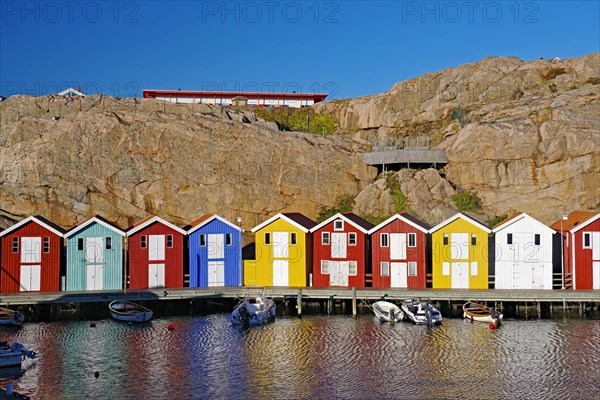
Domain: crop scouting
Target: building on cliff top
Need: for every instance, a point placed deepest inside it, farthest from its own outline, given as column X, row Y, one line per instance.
column 260, row 99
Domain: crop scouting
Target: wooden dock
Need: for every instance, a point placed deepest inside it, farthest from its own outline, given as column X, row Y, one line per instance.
column 308, row 294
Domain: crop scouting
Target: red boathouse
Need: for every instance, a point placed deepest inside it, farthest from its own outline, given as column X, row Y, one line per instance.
column 31, row 254
column 399, row 252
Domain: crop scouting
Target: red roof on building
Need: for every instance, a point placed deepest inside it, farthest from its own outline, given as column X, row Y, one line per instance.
column 221, row 94
column 359, row 221
column 574, row 219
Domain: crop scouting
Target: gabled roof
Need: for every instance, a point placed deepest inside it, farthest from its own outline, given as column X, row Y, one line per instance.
column 351, row 218
column 575, row 221
column 462, row 216
column 71, row 92
column 98, row 220
column 517, row 217
column 52, row 227
column 406, row 217
column 206, row 219
column 151, row 220
column 298, row 220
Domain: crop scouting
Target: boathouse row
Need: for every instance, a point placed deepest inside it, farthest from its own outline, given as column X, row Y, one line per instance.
column 291, row 250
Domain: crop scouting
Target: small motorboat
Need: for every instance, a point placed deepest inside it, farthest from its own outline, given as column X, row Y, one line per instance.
column 13, row 355
column 11, row 317
column 128, row 311
column 254, row 311
column 421, row 312
column 482, row 313
column 387, row 312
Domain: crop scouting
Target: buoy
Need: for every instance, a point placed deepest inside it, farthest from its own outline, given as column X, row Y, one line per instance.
column 97, row 374
column 492, row 326
column 92, row 324
column 171, row 327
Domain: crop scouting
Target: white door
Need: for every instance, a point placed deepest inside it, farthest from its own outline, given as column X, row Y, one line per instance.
column 31, row 249
column 596, row 246
column 398, row 246
column 216, row 273
column 280, row 272
column 398, row 275
column 156, row 247
column 94, row 277
column 338, row 245
column 156, row 275
column 94, row 250
column 30, row 278
column 596, row 275
column 460, row 275
column 460, row 246
column 280, row 244
column 338, row 273
column 216, row 245
column 537, row 277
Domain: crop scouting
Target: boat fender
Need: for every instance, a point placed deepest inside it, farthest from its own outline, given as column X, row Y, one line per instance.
column 492, row 326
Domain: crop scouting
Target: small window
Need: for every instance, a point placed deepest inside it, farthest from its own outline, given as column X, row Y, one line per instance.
column 412, row 240
column 170, row 241
column 267, row 238
column 446, row 268
column 385, row 268
column 474, row 268
column 228, row 239
column 352, row 239
column 325, row 238
column 473, row 239
column 143, row 242
column 108, row 243
column 587, row 240
column 46, row 245
column 338, row 225
column 445, row 239
column 384, row 240
column 324, row 267
column 509, row 238
column 352, row 268
column 293, row 238
column 537, row 239
column 80, row 244
column 412, row 268
column 202, row 240
column 15, row 245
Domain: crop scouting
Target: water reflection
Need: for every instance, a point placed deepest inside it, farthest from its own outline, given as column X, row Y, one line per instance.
column 314, row 357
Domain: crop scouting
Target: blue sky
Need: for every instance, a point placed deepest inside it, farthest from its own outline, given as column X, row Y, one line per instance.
column 346, row 49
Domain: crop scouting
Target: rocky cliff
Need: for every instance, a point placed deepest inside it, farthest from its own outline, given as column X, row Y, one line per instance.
column 522, row 135
column 69, row 159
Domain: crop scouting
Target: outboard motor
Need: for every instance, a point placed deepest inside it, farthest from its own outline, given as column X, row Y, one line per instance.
column 428, row 314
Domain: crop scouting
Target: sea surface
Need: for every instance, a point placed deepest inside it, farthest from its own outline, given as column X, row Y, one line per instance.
column 316, row 357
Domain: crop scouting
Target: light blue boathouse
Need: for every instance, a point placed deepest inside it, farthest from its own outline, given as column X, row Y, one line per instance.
column 95, row 256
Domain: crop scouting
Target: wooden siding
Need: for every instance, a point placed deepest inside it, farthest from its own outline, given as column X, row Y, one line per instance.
column 199, row 255
column 10, row 271
column 113, row 259
column 416, row 254
column 584, row 258
column 299, row 258
column 356, row 253
column 475, row 254
column 139, row 262
column 516, row 263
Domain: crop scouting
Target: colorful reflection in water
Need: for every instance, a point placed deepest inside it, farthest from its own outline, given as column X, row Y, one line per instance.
column 317, row 357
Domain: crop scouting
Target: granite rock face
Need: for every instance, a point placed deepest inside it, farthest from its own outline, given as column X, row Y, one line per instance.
column 523, row 135
column 125, row 159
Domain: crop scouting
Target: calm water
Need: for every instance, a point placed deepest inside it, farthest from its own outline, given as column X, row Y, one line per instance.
column 317, row 357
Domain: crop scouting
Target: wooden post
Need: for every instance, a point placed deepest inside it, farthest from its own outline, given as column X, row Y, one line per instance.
column 353, row 302
column 299, row 303
column 539, row 309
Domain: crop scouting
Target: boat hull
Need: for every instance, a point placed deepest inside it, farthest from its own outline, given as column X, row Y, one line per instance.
column 481, row 313
column 256, row 312
column 10, row 359
column 421, row 313
column 387, row 312
column 129, row 312
column 10, row 317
